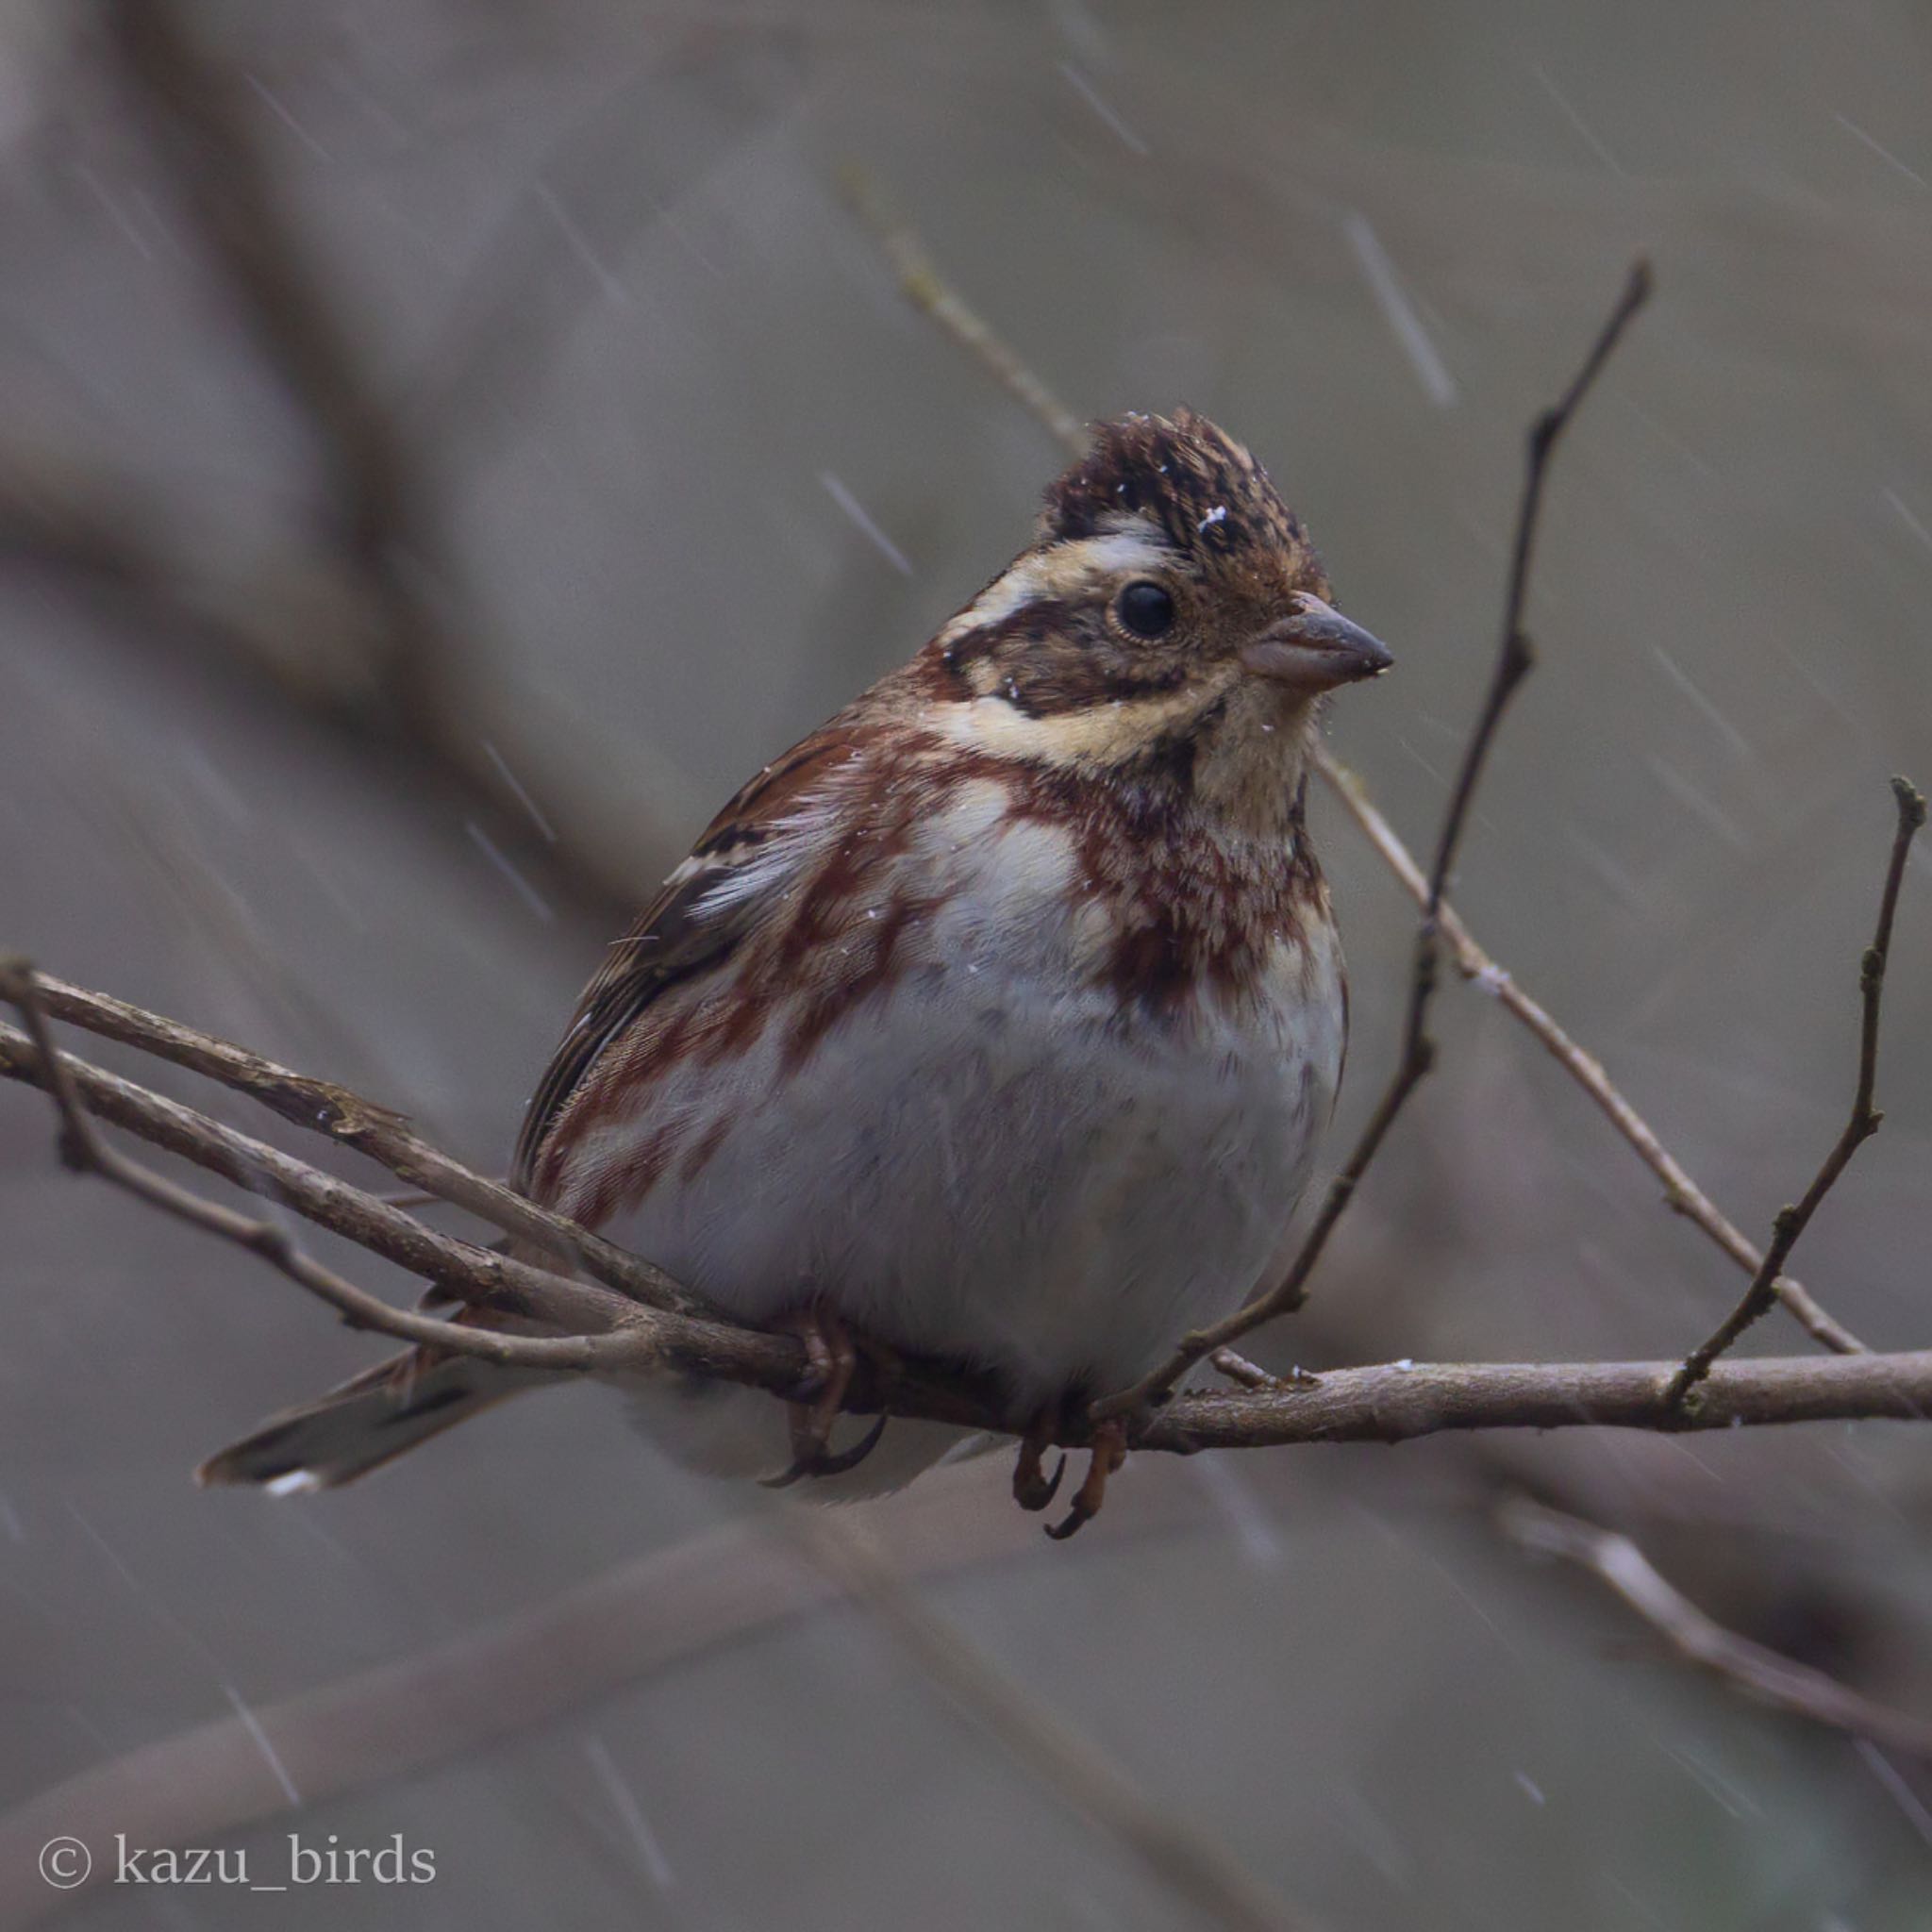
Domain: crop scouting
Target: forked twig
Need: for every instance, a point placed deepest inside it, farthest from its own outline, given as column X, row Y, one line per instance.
column 84, row 1149
column 1761, row 1674
column 321, row 1106
column 1681, row 1193
column 1791, row 1222
column 1514, row 658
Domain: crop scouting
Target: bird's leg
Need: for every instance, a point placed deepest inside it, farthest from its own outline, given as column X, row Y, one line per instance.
column 831, row 1358
column 1031, row 1488
column 1109, row 1452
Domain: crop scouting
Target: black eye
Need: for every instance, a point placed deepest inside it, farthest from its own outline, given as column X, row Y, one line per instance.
column 1144, row 608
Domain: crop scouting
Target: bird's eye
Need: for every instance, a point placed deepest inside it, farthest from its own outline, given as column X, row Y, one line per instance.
column 1144, row 608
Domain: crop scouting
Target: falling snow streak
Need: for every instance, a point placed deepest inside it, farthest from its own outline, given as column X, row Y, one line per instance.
column 525, row 891
column 1883, row 154
column 1088, row 93
column 856, row 511
column 520, row 795
column 252, row 1725
column 1584, row 132
column 580, row 244
column 627, row 1808
column 1905, row 515
column 1386, row 287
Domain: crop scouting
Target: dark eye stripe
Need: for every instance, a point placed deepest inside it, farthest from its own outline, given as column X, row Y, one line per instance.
column 1038, row 617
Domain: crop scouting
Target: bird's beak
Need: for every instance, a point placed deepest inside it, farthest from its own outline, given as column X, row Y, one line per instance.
column 1316, row 649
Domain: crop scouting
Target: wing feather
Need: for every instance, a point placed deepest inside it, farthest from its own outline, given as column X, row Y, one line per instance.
column 747, row 855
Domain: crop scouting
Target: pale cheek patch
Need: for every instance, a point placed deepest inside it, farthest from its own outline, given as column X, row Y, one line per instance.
column 1100, row 735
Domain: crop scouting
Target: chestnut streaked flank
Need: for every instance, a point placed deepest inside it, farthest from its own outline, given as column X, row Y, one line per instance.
column 995, row 1021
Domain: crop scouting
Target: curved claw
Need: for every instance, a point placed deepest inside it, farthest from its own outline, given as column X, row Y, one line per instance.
column 852, row 1457
column 1032, row 1491
column 817, row 1465
column 1109, row 1452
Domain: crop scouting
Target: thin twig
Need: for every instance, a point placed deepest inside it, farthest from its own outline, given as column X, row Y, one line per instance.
column 923, row 285
column 1682, row 1194
column 1514, row 658
column 1198, row 1870
column 1791, row 1222
column 85, row 1151
column 1247, row 1375
column 382, row 1135
column 1762, row 1674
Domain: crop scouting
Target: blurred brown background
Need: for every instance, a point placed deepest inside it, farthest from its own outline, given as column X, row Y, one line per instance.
column 639, row 363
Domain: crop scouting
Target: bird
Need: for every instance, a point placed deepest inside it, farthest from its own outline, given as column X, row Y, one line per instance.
column 996, row 1022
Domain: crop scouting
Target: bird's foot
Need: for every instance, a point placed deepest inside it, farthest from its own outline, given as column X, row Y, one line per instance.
column 1031, row 1488
column 831, row 1356
column 1109, row 1452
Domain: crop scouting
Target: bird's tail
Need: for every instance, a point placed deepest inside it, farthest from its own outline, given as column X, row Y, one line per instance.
column 370, row 1419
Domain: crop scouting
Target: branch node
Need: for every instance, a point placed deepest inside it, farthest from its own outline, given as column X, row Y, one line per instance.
column 1792, row 1221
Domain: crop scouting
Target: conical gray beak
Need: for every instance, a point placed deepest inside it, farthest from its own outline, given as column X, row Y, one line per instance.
column 1316, row 649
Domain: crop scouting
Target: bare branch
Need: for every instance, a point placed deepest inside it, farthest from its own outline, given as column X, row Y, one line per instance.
column 1198, row 1870
column 501, row 1679
column 1398, row 1402
column 487, row 1277
column 380, row 540
column 1388, row 1404
column 1681, row 1192
column 923, row 285
column 1762, row 1674
column 1790, row 1222
column 385, row 1137
column 1513, row 661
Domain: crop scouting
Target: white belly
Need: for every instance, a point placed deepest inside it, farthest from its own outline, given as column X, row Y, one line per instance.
column 1040, row 1183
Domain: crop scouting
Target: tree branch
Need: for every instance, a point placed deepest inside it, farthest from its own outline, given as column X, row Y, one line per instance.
column 1681, row 1193
column 1790, row 1222
column 385, row 1137
column 1761, row 1674
column 496, row 1680
column 600, row 1331
column 1194, row 1866
column 923, row 285
column 402, row 646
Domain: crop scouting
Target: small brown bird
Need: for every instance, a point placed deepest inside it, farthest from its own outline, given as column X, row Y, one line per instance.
column 995, row 1021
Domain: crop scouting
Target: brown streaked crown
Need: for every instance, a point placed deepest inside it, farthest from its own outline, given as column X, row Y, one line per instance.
column 1205, row 491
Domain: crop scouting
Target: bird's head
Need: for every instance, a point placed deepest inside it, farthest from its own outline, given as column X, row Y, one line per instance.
column 1171, row 618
